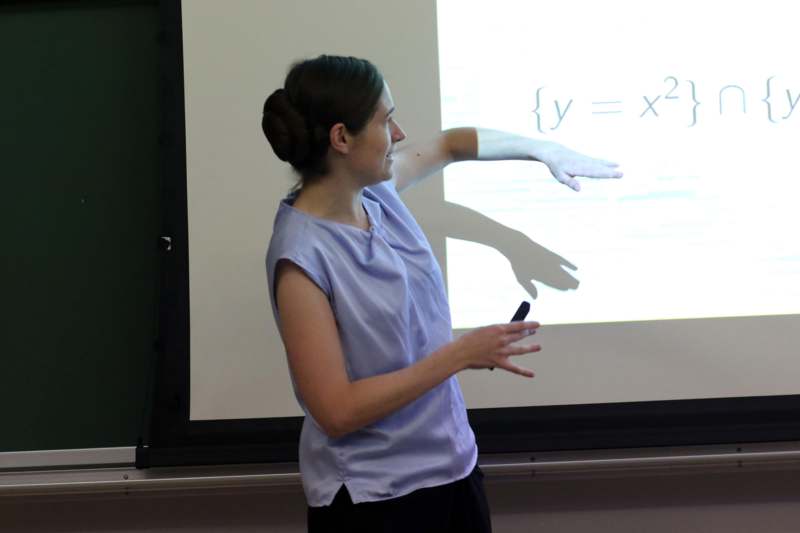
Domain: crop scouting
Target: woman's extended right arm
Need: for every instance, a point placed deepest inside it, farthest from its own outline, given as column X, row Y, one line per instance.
column 316, row 361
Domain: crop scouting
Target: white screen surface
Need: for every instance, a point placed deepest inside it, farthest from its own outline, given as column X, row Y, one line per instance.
column 701, row 227
column 697, row 101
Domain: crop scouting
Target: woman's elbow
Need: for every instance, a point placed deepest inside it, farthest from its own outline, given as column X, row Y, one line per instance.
column 334, row 424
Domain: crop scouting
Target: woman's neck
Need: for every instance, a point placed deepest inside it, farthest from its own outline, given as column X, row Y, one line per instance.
column 331, row 199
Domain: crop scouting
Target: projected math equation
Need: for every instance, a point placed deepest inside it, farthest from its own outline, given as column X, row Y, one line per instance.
column 676, row 96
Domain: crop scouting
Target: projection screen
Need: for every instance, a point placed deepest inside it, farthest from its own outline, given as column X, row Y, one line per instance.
column 679, row 281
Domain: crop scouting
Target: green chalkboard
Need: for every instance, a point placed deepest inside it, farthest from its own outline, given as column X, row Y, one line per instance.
column 79, row 139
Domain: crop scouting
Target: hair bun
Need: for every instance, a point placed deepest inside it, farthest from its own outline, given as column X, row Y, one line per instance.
column 285, row 129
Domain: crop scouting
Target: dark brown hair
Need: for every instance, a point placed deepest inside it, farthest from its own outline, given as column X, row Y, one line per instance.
column 317, row 94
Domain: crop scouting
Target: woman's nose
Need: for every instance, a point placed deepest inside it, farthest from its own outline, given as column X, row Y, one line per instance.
column 398, row 134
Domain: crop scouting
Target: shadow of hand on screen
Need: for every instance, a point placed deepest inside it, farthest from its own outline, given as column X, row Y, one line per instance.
column 529, row 260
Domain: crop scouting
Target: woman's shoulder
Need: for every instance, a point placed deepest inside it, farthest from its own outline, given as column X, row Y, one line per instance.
column 386, row 196
column 395, row 213
column 290, row 235
column 294, row 239
column 384, row 191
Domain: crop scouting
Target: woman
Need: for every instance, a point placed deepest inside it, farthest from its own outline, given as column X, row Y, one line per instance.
column 360, row 303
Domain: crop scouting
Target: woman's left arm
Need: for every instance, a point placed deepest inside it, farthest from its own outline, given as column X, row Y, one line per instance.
column 418, row 161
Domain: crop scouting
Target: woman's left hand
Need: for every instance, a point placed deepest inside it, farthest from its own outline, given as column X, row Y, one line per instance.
column 566, row 165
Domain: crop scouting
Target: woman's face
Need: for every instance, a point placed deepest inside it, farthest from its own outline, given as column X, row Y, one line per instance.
column 371, row 156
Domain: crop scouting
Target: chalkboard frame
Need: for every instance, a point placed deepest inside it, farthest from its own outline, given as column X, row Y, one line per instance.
column 174, row 439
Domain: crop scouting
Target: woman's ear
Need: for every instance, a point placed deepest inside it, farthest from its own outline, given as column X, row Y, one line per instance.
column 340, row 138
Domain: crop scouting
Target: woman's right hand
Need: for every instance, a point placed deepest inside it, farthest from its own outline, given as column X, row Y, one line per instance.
column 492, row 346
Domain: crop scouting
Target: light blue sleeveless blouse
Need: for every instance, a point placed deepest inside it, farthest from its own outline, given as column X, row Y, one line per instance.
column 387, row 294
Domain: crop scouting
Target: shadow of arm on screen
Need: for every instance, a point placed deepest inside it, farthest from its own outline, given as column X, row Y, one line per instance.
column 529, row 260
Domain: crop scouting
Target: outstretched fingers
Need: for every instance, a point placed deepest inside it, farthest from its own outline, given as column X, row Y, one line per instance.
column 569, row 181
column 510, row 338
column 516, row 331
column 595, row 168
column 514, row 369
column 606, row 171
column 519, row 349
column 517, row 326
column 523, row 328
